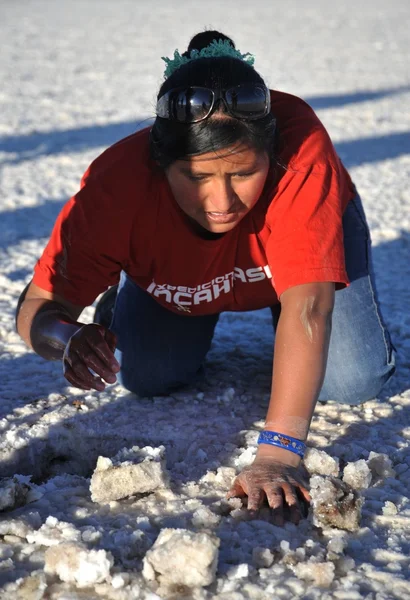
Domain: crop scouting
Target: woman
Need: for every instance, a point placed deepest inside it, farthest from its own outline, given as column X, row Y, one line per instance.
column 234, row 200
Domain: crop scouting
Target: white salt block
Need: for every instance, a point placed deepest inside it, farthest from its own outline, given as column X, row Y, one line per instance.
column 131, row 471
column 13, row 492
column 335, row 503
column 380, row 465
column 54, row 532
column 318, row 462
column 182, row 557
column 73, row 563
column 357, row 474
column 320, row 573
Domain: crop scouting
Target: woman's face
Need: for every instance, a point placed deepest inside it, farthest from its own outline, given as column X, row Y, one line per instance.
column 218, row 190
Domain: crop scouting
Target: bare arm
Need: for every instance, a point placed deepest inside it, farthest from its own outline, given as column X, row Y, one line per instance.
column 48, row 324
column 301, row 349
column 46, row 321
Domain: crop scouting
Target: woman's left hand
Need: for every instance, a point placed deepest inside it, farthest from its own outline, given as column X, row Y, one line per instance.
column 280, row 483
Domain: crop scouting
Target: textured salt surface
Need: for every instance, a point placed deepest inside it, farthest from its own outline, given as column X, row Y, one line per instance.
column 74, row 80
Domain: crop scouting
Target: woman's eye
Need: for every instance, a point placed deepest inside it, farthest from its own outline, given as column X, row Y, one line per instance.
column 196, row 177
column 244, row 175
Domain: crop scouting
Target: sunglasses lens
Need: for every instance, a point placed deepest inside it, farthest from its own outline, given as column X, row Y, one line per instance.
column 191, row 104
column 248, row 101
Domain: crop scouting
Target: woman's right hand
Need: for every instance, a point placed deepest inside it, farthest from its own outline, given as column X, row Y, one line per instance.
column 91, row 347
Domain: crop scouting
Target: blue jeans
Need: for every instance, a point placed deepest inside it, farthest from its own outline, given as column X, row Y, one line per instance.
column 160, row 351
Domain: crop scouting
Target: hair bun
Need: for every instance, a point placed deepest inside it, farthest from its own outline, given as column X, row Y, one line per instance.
column 203, row 39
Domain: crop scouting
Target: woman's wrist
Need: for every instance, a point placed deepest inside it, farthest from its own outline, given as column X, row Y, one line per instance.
column 265, row 451
column 51, row 330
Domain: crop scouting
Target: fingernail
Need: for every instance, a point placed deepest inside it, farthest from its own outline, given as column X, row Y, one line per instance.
column 115, row 366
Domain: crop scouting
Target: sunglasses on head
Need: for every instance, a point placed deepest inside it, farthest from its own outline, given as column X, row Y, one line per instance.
column 194, row 103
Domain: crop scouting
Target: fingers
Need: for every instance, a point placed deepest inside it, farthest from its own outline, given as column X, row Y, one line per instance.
column 101, row 346
column 236, row 490
column 83, row 384
column 91, row 349
column 305, row 494
column 111, row 340
column 255, row 498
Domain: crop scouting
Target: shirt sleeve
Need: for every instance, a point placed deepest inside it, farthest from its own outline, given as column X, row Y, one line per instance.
column 88, row 246
column 306, row 232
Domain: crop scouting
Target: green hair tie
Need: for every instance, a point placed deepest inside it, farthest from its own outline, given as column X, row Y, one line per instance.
column 215, row 49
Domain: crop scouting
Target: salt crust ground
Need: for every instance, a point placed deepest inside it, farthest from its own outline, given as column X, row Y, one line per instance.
column 76, row 78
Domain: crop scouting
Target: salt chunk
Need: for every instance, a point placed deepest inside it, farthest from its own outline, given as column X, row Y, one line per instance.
column 321, row 573
column 223, row 477
column 262, row 558
column 380, row 465
column 389, row 508
column 318, row 462
column 181, row 557
column 336, row 545
column 13, row 492
column 335, row 503
column 120, row 580
column 73, row 563
column 32, row 587
column 245, row 458
column 6, row 565
column 238, row 572
column 131, row 471
column 345, row 565
column 54, row 532
column 228, row 395
column 204, row 517
column 6, row 551
column 357, row 474
column 90, row 535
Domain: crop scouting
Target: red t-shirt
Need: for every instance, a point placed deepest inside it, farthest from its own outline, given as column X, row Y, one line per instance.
column 125, row 218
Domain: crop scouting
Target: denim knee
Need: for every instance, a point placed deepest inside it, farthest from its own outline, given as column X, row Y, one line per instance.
column 146, row 382
column 358, row 385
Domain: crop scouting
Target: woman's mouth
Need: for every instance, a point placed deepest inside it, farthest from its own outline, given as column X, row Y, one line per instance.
column 222, row 217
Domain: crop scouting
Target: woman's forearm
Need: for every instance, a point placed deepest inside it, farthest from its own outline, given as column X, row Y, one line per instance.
column 45, row 324
column 301, row 349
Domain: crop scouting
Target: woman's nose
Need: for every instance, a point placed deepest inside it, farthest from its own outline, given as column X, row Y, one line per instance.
column 222, row 196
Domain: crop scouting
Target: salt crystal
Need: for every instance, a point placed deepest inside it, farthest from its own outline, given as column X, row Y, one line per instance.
column 73, row 563
column 131, row 471
column 335, row 503
column 204, row 517
column 32, row 587
column 6, row 551
column 318, row 462
column 181, row 557
column 228, row 395
column 336, row 545
column 262, row 557
column 389, row 508
column 119, row 580
column 13, row 492
column 380, row 465
column 6, row 565
column 238, row 572
column 245, row 458
column 54, row 532
column 90, row 535
column 357, row 474
column 321, row 573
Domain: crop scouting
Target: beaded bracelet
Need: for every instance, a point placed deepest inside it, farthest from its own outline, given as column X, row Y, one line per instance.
column 273, row 438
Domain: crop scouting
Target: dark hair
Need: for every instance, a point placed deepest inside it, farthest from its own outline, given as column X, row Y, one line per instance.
column 171, row 140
